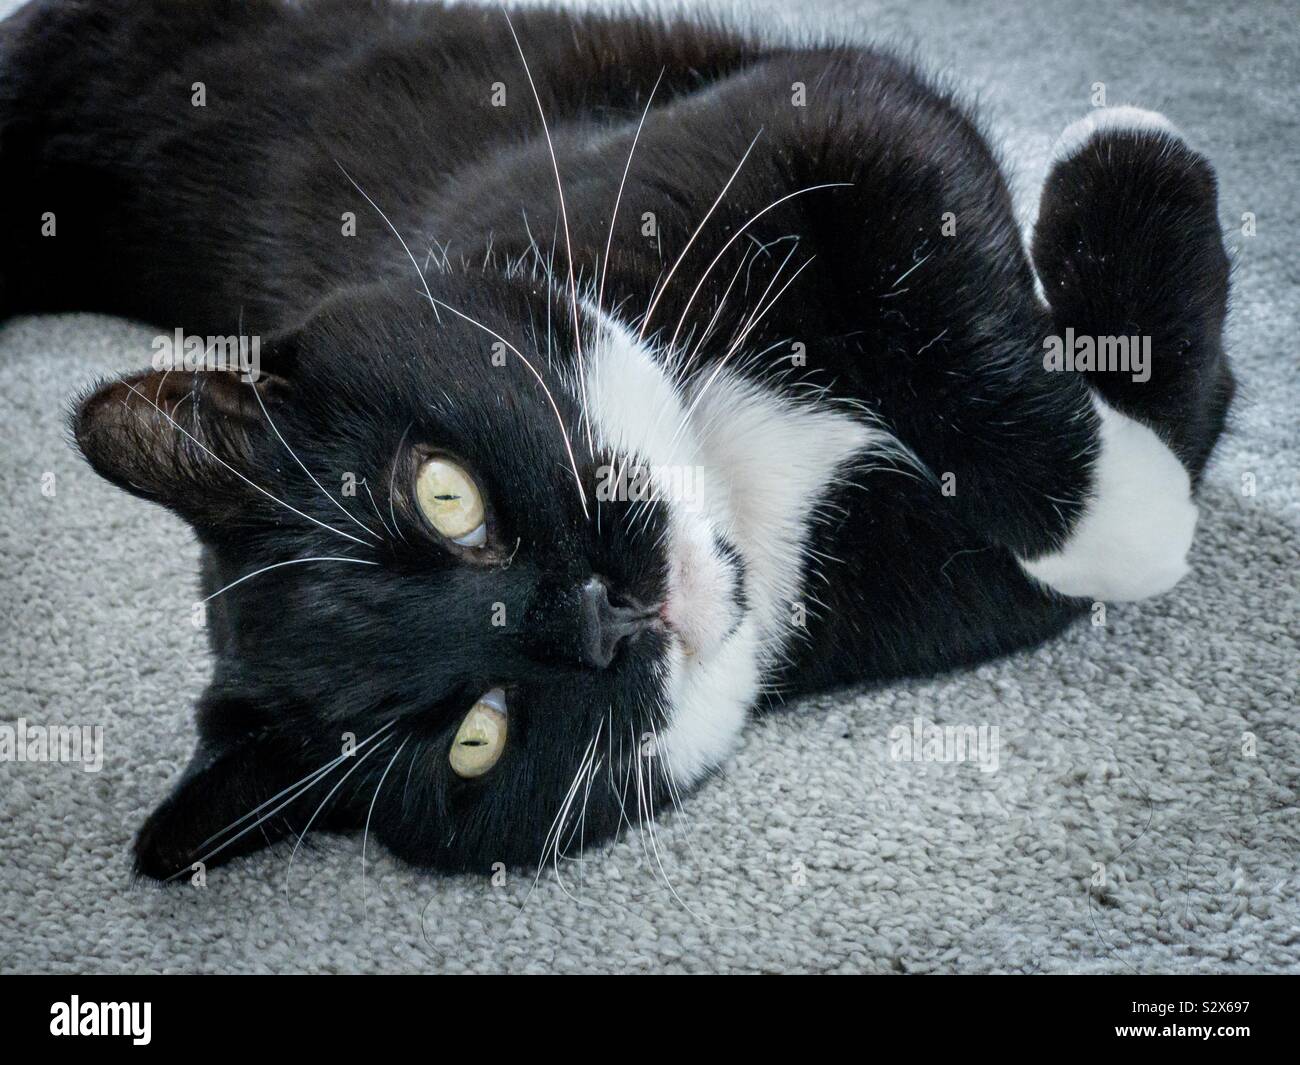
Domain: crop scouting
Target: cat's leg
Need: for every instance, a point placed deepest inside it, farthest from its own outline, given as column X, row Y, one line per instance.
column 1128, row 245
column 1131, row 258
column 1083, row 475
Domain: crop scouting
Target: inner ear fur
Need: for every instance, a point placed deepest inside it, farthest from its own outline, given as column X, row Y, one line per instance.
column 180, row 438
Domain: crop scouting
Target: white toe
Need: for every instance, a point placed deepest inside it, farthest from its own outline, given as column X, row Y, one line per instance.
column 1110, row 119
column 1136, row 529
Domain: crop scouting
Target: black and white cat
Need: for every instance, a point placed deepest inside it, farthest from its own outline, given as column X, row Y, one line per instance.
column 619, row 377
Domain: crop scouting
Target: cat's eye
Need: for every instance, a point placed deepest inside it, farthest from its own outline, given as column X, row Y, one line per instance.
column 481, row 737
column 452, row 502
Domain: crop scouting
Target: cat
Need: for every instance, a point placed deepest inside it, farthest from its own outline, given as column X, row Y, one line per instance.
column 618, row 377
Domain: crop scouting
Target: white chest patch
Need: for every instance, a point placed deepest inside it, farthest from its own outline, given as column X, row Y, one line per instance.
column 761, row 464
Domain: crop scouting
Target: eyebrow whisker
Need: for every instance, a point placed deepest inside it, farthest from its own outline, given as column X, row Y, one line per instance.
column 568, row 446
column 568, row 240
column 405, row 248
column 609, row 240
column 294, row 455
column 662, row 288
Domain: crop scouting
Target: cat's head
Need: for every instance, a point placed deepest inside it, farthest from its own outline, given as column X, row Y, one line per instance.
column 545, row 623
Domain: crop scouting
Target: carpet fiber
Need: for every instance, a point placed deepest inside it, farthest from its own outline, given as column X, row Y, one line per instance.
column 1143, row 814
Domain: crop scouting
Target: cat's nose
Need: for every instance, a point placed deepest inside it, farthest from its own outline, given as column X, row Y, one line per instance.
column 606, row 625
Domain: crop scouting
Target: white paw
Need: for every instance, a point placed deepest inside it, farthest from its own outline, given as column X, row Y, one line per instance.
column 1133, row 537
column 1109, row 119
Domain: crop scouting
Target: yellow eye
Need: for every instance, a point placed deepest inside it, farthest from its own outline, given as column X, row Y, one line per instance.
column 451, row 501
column 481, row 737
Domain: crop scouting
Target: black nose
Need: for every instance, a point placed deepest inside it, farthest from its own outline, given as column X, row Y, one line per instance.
column 605, row 625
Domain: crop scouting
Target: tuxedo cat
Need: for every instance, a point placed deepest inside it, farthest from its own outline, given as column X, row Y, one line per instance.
column 618, row 377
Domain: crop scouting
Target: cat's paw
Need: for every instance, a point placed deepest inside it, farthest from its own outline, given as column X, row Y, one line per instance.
column 1104, row 120
column 1132, row 539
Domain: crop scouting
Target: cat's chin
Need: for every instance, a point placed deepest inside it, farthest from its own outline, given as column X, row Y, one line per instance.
column 709, row 695
column 705, row 602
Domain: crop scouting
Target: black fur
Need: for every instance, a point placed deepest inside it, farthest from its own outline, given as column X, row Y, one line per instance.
column 226, row 219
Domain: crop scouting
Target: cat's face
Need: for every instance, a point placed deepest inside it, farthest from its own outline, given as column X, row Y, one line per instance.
column 545, row 625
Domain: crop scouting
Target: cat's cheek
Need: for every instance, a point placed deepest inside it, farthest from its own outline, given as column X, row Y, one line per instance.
column 708, row 703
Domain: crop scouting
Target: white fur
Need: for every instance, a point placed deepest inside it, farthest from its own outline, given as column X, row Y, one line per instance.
column 767, row 463
column 1133, row 537
column 1109, row 119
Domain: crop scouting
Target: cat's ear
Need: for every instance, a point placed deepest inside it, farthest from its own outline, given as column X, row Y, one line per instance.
column 237, row 796
column 184, row 438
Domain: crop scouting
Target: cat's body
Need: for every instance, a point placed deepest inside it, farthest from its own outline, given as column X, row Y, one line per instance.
column 843, row 358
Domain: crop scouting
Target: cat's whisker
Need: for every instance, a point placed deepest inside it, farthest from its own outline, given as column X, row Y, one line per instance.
column 556, row 825
column 564, row 215
column 568, row 446
column 323, row 803
column 375, row 507
column 740, row 231
column 647, row 792
column 298, row 789
column 286, row 562
column 662, row 288
column 207, row 450
column 654, row 841
column 556, row 852
column 294, row 455
column 586, row 801
column 699, row 396
column 392, row 478
column 670, row 782
column 776, row 274
column 679, row 371
column 621, row 796
column 641, row 806
column 365, row 835
column 753, row 317
column 400, row 239
column 618, row 199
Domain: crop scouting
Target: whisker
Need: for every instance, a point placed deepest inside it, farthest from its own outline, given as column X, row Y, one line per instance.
column 736, row 236
column 365, row 835
column 609, row 240
column 392, row 477
column 661, row 289
column 294, row 455
column 287, row 562
column 181, row 429
column 375, row 507
column 568, row 447
column 299, row 789
column 563, row 817
column 740, row 340
column 564, row 215
column 400, row 240
column 312, row 820
column 552, row 831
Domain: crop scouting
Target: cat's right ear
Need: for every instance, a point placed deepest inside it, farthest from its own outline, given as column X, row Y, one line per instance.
column 185, row 438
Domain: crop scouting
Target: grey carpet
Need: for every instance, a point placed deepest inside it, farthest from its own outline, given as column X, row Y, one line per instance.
column 1121, row 746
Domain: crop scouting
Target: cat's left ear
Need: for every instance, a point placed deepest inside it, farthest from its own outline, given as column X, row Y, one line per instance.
column 239, row 795
column 185, row 438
